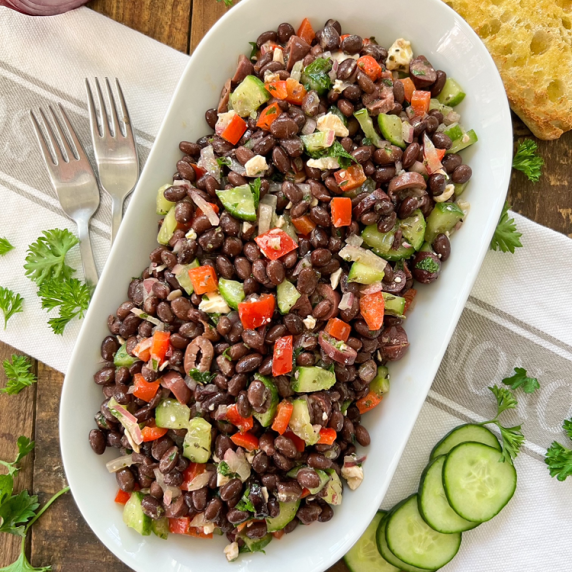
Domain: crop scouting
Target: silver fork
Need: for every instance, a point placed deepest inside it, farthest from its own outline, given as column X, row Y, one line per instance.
column 73, row 180
column 115, row 149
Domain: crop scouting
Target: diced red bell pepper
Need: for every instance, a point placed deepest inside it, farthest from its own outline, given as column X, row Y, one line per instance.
column 409, row 297
column 122, row 497
column 370, row 67
column 306, row 32
column 343, row 37
column 145, row 390
column 204, row 279
column 420, row 101
column 372, row 309
column 179, row 525
column 247, row 441
column 367, row 41
column 408, row 88
column 268, row 116
column 199, row 171
column 283, row 415
column 189, row 474
column 214, row 207
column 440, row 153
column 327, row 436
column 277, row 89
column 234, row 130
column 143, row 349
column 295, row 91
column 257, row 313
column 151, row 432
column 282, row 358
column 338, row 329
column 275, row 243
column 368, row 402
column 304, row 225
column 350, row 178
column 298, row 442
column 160, row 346
column 244, row 424
column 341, row 211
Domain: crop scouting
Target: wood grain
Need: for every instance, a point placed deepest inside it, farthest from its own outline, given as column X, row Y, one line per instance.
column 205, row 14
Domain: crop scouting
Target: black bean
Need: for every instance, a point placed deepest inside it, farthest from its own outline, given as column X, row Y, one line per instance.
column 213, row 509
column 451, row 161
column 426, row 267
column 410, row 155
column 437, row 88
column 97, row 441
column 461, row 174
column 442, row 246
column 286, row 447
column 104, row 376
column 275, row 271
column 437, row 184
column 248, row 363
column 231, row 490
column 362, row 435
column 309, row 513
column 318, row 461
column 308, row 478
column 352, row 44
column 125, row 480
column 307, row 281
column 236, row 516
column 347, row 69
column 442, row 141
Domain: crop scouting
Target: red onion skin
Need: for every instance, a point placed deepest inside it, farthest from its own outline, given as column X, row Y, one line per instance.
column 42, row 7
column 173, row 381
column 345, row 357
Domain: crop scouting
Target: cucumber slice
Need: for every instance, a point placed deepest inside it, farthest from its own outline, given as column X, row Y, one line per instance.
column 300, row 422
column 412, row 540
column 413, row 229
column 382, row 242
column 167, row 228
column 477, row 484
column 387, row 554
column 197, row 444
column 364, row 555
column 232, row 292
column 317, row 141
column 399, row 254
column 364, row 274
column 452, row 94
column 436, row 104
column 255, row 545
column 170, row 414
column 122, row 358
column 465, row 141
column 366, row 124
column 163, row 205
column 454, row 132
column 463, row 434
column 394, row 305
column 380, row 383
column 265, row 419
column 310, row 379
column 239, row 202
column 333, row 490
column 287, row 296
column 160, row 528
column 134, row 517
column 286, row 515
column 249, row 96
column 390, row 127
column 433, row 504
column 183, row 276
column 460, row 188
column 442, row 219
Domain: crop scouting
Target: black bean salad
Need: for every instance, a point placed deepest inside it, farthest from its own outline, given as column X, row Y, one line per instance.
column 238, row 370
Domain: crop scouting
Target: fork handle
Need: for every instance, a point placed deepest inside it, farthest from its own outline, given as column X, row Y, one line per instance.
column 87, row 260
column 116, row 216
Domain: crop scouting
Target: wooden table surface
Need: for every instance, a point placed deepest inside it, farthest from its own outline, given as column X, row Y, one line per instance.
column 61, row 538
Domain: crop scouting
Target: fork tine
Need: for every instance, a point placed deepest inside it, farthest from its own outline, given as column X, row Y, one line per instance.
column 79, row 150
column 124, row 112
column 102, row 109
column 53, row 139
column 114, row 119
column 42, row 142
column 61, row 132
column 94, row 125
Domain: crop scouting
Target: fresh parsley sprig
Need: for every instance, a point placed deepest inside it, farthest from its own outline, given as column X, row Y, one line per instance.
column 5, row 246
column 559, row 458
column 227, row 3
column 506, row 237
column 18, row 374
column 527, row 161
column 25, row 446
column 520, row 378
column 337, row 151
column 10, row 303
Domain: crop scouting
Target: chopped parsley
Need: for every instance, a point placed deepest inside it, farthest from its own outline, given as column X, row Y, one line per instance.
column 5, row 246
column 202, row 377
column 18, row 374
column 255, row 189
column 428, row 264
column 337, row 151
column 527, row 161
column 10, row 303
column 559, row 458
column 506, row 237
column 520, row 378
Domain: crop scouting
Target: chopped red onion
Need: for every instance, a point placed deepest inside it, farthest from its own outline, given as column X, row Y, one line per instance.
column 119, row 463
column 199, row 481
column 169, row 493
column 182, row 183
column 309, row 127
column 347, row 301
column 419, row 167
column 371, row 288
column 451, row 117
column 407, row 132
column 207, row 209
column 354, row 240
column 303, row 263
column 174, row 295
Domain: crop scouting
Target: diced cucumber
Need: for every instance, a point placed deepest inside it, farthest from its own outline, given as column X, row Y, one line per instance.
column 289, row 228
column 315, row 76
column 391, row 128
column 399, row 254
column 427, row 248
column 414, row 542
column 333, row 490
column 364, row 555
column 452, row 94
column 239, row 202
column 364, row 274
column 387, row 554
column 454, row 132
column 197, row 444
column 366, row 124
column 465, row 141
column 183, row 277
column 413, row 229
column 170, row 414
column 317, row 141
column 380, row 242
column 324, row 478
column 463, row 434
column 436, row 104
column 380, row 383
column 442, row 219
column 309, row 379
column 167, row 228
column 232, row 291
column 287, row 513
column 394, row 305
column 433, row 504
column 300, row 422
column 460, row 188
column 160, row 527
column 122, row 358
column 265, row 419
column 287, row 295
column 477, row 484
column 134, row 517
column 249, row 96
column 255, row 545
column 163, row 205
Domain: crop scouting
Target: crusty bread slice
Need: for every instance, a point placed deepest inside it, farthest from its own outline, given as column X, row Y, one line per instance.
column 531, row 43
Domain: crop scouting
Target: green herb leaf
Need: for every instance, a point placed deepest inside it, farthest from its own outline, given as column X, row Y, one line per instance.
column 22, row 564
column 254, row 50
column 567, row 426
column 506, row 237
column 255, row 189
column 5, row 246
column 315, row 76
column 505, row 399
column 245, row 503
column 69, row 295
column 428, row 264
column 227, row 3
column 16, row 512
column 559, row 461
column 202, row 377
column 6, row 487
column 47, row 256
column 337, row 151
column 529, row 384
column 25, row 446
column 527, row 161
column 223, row 161
column 226, row 354
column 18, row 374
column 10, row 303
